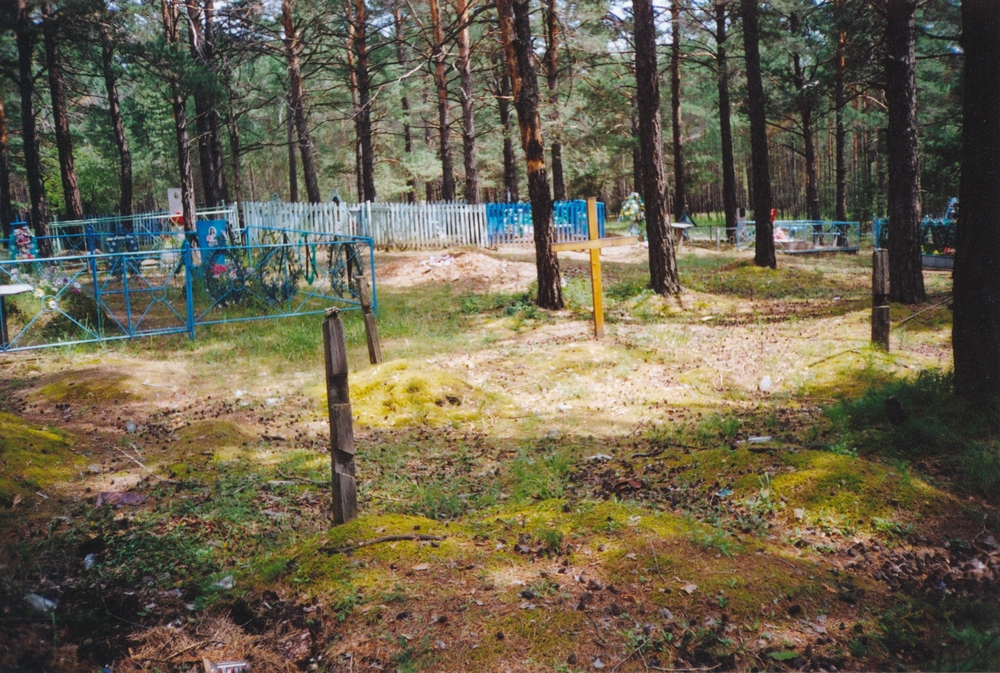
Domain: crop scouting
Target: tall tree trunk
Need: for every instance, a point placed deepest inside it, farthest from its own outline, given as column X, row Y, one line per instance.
column 214, row 117
column 402, row 57
column 6, row 209
column 515, row 33
column 662, row 261
column 118, row 127
column 293, row 171
column 441, row 81
column 32, row 159
column 976, row 330
column 429, row 185
column 293, row 51
column 764, row 243
column 805, row 113
column 364, row 101
column 839, row 103
column 202, row 105
column 352, row 67
column 178, row 102
column 680, row 192
column 64, row 139
column 906, row 278
column 552, row 79
column 468, row 118
column 509, row 167
column 179, row 106
column 637, row 179
column 725, row 126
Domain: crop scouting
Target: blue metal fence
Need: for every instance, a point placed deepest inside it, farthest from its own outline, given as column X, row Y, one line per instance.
column 126, row 285
column 805, row 236
column 511, row 222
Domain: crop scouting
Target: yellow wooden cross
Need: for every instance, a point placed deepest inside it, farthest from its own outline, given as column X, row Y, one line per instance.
column 594, row 245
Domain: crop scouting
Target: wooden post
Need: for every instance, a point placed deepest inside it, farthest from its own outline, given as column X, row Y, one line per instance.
column 594, row 232
column 345, row 505
column 880, row 294
column 371, row 329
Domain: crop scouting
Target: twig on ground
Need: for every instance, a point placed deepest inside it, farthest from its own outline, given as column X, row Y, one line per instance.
column 379, row 540
column 656, row 561
column 923, row 310
column 301, row 480
column 143, row 466
column 830, row 357
column 189, row 648
column 679, row 670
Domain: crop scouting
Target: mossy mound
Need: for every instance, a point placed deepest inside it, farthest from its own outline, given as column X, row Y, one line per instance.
column 854, row 488
column 93, row 386
column 403, row 393
column 196, row 444
column 31, row 458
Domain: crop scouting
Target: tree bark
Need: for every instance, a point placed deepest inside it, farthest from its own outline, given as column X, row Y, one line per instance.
column 179, row 106
column 352, row 68
column 515, row 33
column 662, row 261
column 637, row 180
column 60, row 119
column 118, row 127
column 976, row 328
column 725, row 125
column 402, row 57
column 840, row 102
column 364, row 121
column 214, row 116
column 764, row 239
column 201, row 106
column 552, row 80
column 444, row 131
column 293, row 52
column 509, row 166
column 6, row 209
column 905, row 264
column 680, row 192
column 24, row 35
column 293, row 171
column 178, row 102
column 468, row 118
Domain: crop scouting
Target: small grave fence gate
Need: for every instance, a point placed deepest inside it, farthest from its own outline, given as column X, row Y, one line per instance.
column 111, row 286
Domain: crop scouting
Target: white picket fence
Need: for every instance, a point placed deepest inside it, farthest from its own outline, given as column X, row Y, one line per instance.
column 396, row 225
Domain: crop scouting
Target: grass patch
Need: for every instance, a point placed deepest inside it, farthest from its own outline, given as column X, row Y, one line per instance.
column 962, row 435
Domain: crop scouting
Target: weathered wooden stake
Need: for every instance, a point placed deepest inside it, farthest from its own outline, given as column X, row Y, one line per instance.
column 880, row 295
column 371, row 329
column 345, row 505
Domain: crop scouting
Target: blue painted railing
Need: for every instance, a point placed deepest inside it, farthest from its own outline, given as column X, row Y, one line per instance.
column 511, row 222
column 127, row 285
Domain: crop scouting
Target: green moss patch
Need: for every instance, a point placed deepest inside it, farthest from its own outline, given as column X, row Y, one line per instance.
column 92, row 386
column 403, row 393
column 32, row 458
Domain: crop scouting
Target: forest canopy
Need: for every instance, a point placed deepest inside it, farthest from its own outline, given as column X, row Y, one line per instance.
column 403, row 100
